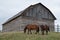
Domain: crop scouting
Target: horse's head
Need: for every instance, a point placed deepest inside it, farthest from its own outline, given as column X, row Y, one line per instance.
column 47, row 27
column 25, row 29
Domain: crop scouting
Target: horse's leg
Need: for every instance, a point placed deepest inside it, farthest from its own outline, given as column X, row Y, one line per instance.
column 24, row 31
column 42, row 32
column 46, row 32
column 28, row 31
column 36, row 32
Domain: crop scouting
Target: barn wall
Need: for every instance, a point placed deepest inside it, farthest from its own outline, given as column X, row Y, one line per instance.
column 19, row 24
column 13, row 25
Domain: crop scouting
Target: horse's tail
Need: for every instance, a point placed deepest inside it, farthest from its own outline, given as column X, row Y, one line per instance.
column 25, row 29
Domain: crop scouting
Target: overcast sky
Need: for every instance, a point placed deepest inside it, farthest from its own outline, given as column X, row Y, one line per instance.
column 8, row 8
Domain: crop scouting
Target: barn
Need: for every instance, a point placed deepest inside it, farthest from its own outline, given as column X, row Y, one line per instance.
column 34, row 14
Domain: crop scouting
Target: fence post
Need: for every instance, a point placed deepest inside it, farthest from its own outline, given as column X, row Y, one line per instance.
column 57, row 28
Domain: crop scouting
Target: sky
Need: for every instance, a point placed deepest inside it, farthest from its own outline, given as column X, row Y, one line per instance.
column 9, row 8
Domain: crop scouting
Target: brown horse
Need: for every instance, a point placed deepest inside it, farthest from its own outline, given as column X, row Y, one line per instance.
column 44, row 28
column 30, row 27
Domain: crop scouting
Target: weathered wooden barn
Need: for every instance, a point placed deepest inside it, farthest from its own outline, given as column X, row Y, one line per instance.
column 34, row 14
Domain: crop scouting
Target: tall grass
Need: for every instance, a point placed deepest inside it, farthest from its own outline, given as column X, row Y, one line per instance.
column 22, row 36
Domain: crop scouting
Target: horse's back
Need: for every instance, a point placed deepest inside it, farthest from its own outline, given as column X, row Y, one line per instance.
column 44, row 27
column 32, row 26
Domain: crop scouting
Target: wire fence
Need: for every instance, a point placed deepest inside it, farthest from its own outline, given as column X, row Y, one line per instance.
column 57, row 28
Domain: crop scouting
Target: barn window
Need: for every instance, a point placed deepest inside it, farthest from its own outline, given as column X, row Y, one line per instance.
column 45, row 14
column 50, row 16
column 27, row 13
column 30, row 12
column 39, row 14
column 34, row 12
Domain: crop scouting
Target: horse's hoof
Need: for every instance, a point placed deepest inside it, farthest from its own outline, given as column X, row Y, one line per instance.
column 42, row 33
column 30, row 33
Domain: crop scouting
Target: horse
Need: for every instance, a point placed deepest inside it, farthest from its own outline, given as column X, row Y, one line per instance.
column 30, row 27
column 44, row 28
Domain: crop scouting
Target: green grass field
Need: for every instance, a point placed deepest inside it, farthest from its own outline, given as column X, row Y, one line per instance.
column 22, row 36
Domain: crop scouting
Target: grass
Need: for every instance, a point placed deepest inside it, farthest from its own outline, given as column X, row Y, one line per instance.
column 22, row 36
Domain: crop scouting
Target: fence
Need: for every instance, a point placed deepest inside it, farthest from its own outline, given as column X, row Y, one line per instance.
column 57, row 28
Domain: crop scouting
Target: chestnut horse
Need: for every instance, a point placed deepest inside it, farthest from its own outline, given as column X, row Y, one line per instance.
column 44, row 28
column 30, row 27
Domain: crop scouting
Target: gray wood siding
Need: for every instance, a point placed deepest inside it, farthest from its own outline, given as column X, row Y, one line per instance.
column 19, row 24
column 39, row 12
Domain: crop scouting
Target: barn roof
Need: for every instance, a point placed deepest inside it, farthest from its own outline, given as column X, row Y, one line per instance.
column 20, row 13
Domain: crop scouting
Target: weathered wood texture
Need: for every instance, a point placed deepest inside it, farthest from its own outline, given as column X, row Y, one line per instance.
column 19, row 24
column 33, row 15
